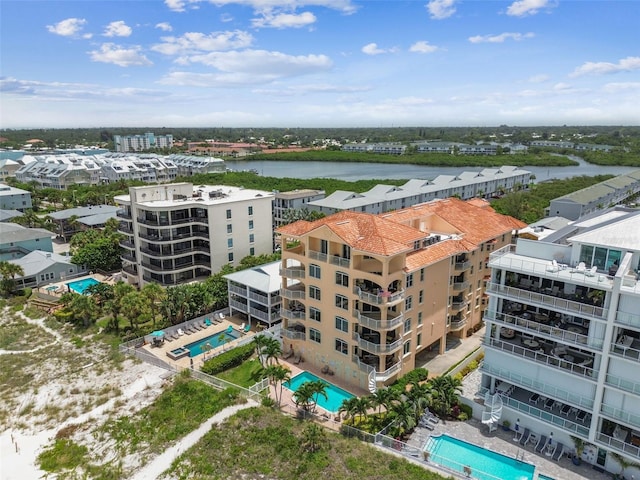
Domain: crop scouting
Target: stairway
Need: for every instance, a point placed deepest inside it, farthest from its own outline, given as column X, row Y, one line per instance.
column 493, row 410
column 373, row 386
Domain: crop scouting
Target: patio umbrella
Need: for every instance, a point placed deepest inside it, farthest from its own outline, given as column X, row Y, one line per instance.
column 157, row 333
column 517, row 429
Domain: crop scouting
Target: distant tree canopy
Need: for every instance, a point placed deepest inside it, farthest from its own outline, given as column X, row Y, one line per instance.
column 97, row 249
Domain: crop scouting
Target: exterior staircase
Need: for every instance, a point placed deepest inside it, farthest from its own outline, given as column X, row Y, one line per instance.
column 373, row 386
column 493, row 410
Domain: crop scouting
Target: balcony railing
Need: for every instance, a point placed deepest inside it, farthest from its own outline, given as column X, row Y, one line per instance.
column 128, row 257
column 293, row 314
column 546, row 416
column 618, row 445
column 622, row 383
column 126, row 244
column 262, row 315
column 377, row 324
column 548, row 301
column 129, row 270
column 318, row 255
column 238, row 305
column 377, row 348
column 628, row 319
column 458, row 305
column 459, row 266
column 389, row 372
column 293, row 334
column 292, row 272
column 621, row 415
column 380, row 298
column 582, row 371
column 124, row 229
column 123, row 214
column 238, row 290
column 339, row 261
column 160, row 268
column 544, row 330
column 628, row 353
column 259, row 298
column 534, row 385
column 293, row 294
column 362, row 365
column 457, row 286
column 456, row 325
column 174, row 237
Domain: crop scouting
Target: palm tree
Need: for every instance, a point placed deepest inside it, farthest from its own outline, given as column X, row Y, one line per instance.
column 136, row 307
column 319, row 388
column 114, row 304
column 313, row 437
column 304, row 396
column 278, row 375
column 405, row 416
column 420, row 396
column 361, row 406
column 154, row 294
column 260, row 341
column 445, row 390
column 9, row 271
column 82, row 309
column 271, row 349
column 624, row 463
column 349, row 408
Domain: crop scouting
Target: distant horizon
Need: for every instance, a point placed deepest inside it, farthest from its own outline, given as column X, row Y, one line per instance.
column 318, row 63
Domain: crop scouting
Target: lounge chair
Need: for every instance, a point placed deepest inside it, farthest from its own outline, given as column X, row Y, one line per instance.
column 297, row 358
column 207, row 322
column 229, row 329
column 549, row 403
column 216, row 319
column 582, row 416
column 427, row 425
column 287, row 354
column 246, row 328
column 181, row 332
column 534, row 398
column 591, row 272
column 204, row 324
column 242, row 326
column 168, row 338
column 175, row 335
column 221, row 316
column 557, row 453
column 196, row 326
column 565, row 409
column 525, row 437
column 430, row 416
column 541, row 444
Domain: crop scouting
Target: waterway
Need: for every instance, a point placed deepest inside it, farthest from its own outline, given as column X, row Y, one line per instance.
column 364, row 171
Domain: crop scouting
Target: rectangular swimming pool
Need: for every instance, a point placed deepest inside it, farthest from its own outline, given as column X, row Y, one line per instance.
column 219, row 338
column 485, row 464
column 335, row 395
column 80, row 286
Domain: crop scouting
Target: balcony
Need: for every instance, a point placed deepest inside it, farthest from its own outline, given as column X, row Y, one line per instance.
column 130, row 270
column 583, row 371
column 238, row 305
column 622, row 384
column 619, row 445
column 292, row 272
column 127, row 244
column 174, row 237
column 456, row 325
column 238, row 290
column 260, row 314
column 124, row 229
column 373, row 323
column 538, row 386
column 293, row 334
column 457, row 305
column 154, row 222
column 570, row 307
column 461, row 266
column 624, row 351
column 123, row 214
column 458, row 286
column 389, row 372
column 293, row 314
column 159, row 268
column 628, row 319
column 621, row 415
column 258, row 297
column 339, row 261
column 544, row 330
column 293, row 293
column 318, row 255
column 378, row 298
column 128, row 257
column 377, row 348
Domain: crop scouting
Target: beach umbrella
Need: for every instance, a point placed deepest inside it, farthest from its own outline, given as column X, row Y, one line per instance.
column 157, row 333
column 517, row 429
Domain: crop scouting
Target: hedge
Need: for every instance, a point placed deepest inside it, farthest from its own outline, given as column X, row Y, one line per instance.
column 229, row 359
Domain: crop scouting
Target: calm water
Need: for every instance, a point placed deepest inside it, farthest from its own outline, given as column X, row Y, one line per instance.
column 363, row 171
column 335, row 395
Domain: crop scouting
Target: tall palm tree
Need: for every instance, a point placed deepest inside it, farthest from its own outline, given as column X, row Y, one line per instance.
column 9, row 271
column 361, row 406
column 278, row 375
column 304, row 396
column 319, row 388
column 384, row 397
column 445, row 390
column 349, row 408
column 271, row 350
column 120, row 290
column 260, row 341
column 405, row 416
column 420, row 396
column 154, row 294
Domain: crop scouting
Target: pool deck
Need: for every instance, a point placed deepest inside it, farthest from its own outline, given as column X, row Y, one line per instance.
column 57, row 289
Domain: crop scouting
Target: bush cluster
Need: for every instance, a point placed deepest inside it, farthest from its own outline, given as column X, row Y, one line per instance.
column 414, row 376
column 228, row 360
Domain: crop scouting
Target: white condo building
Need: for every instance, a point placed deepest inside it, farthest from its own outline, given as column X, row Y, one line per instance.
column 177, row 233
column 139, row 143
column 562, row 348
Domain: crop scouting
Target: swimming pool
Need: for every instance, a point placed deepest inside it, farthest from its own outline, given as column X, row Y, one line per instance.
column 214, row 340
column 335, row 395
column 485, row 464
column 80, row 286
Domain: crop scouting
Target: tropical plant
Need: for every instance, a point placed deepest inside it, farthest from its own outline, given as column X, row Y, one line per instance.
column 624, row 463
column 404, row 415
column 114, row 304
column 362, row 405
column 9, row 271
column 384, row 397
column 259, row 342
column 278, row 375
column 136, row 307
column 154, row 294
column 308, row 393
column 271, row 350
column 313, row 438
column 445, row 390
column 349, row 407
column 80, row 310
column 579, row 443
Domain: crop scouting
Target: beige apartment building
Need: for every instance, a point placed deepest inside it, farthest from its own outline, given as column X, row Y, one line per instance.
column 364, row 295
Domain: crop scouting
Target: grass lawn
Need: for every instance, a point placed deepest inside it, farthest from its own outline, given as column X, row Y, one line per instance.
column 262, row 443
column 244, row 375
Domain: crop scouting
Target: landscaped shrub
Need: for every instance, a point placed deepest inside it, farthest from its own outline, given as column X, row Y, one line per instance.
column 466, row 410
column 417, row 375
column 228, row 360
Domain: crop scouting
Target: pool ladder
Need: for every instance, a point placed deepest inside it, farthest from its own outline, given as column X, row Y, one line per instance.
column 520, row 455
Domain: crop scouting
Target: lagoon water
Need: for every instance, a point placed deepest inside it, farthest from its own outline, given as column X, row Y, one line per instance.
column 364, row 171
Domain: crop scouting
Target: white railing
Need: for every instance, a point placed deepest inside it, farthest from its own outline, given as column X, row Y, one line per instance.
column 533, row 385
column 569, row 306
column 239, row 290
column 361, row 365
column 259, row 298
column 621, row 415
column 259, row 314
column 238, row 305
column 292, row 272
column 628, row 353
column 377, row 348
column 547, row 416
column 392, row 370
column 544, row 330
column 619, row 445
column 623, row 383
column 457, row 324
column 582, row 371
column 629, row 319
column 460, row 285
column 340, row 261
column 377, row 324
column 293, row 334
column 292, row 294
column 293, row 314
column 317, row 255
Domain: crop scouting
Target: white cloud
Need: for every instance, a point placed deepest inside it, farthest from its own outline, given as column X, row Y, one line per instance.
column 522, row 8
column 542, row 77
column 309, row 88
column 562, row 86
column 193, row 42
column 247, row 67
column 70, row 27
column 501, row 37
column 345, row 6
column 440, row 9
column 628, row 64
column 372, row 49
column 284, row 20
column 117, row 29
column 226, row 18
column 164, row 26
column 123, row 57
column 616, row 87
column 422, row 47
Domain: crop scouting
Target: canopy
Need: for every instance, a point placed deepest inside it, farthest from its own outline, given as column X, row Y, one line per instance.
column 158, row 333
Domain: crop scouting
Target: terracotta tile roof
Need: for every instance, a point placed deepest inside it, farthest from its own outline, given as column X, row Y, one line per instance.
column 479, row 202
column 436, row 252
column 361, row 231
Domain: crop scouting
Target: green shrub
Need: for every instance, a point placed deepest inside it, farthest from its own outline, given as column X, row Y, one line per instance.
column 417, row 375
column 63, row 455
column 466, row 409
column 463, row 417
column 228, row 360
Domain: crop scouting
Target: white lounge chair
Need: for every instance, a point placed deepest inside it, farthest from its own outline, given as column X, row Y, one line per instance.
column 553, row 267
column 180, row 331
column 591, row 272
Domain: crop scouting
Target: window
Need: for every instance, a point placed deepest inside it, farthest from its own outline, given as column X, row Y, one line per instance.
column 228, row 214
column 410, row 280
column 419, row 318
column 229, row 229
column 250, row 210
column 324, row 246
column 315, row 335
column 230, row 256
column 252, row 251
column 408, row 303
column 422, row 274
column 314, row 314
column 314, row 271
column 342, row 324
column 421, row 296
column 230, row 242
column 250, row 224
column 406, row 348
column 251, row 238
column 342, row 302
column 342, row 347
column 342, row 279
column 419, row 339
column 407, row 325
column 314, row 292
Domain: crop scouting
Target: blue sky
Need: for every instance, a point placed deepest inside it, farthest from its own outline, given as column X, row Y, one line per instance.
column 329, row 63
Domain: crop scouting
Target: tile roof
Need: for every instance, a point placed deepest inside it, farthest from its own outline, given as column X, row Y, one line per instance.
column 436, row 252
column 362, row 231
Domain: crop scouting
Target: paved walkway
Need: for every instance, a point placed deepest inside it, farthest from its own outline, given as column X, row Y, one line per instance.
column 457, row 350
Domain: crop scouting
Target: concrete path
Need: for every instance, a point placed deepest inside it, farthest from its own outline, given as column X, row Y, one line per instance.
column 162, row 462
